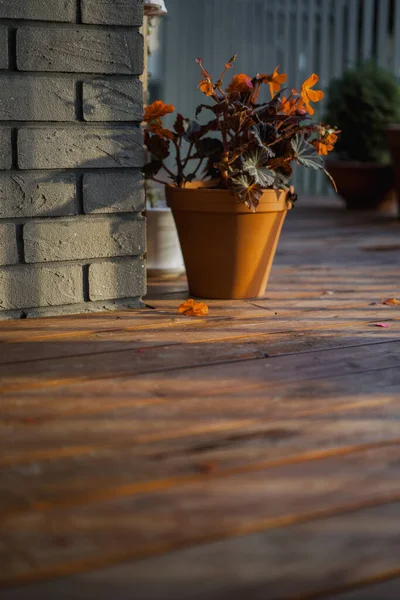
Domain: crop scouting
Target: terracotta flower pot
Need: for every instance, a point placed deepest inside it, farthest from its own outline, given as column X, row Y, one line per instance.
column 364, row 186
column 393, row 138
column 164, row 256
column 227, row 249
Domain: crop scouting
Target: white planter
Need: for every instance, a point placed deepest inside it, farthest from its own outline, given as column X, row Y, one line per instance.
column 164, row 256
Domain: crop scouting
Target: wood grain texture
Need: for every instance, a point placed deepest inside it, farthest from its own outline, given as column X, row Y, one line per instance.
column 255, row 452
column 352, row 556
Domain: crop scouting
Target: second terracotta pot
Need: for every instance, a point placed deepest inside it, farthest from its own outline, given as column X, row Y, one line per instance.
column 364, row 186
column 393, row 138
column 228, row 250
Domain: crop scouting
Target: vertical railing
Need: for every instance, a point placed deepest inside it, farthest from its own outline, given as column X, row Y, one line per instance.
column 302, row 36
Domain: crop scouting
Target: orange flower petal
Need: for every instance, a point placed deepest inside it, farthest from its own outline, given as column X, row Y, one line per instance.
column 193, row 309
column 157, row 110
column 311, row 81
column 315, row 95
column 309, row 95
column 185, row 306
column 240, row 83
column 206, row 87
column 200, row 309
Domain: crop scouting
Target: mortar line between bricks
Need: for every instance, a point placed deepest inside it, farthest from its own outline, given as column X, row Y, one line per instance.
column 14, row 148
column 79, row 195
column 75, row 262
column 85, row 283
column 74, row 124
column 12, row 49
column 32, row 24
column 127, row 216
column 85, row 77
column 20, row 243
column 78, row 12
column 79, row 115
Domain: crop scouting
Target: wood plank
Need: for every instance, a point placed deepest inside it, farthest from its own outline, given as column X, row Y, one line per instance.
column 352, row 556
column 108, row 364
column 274, row 319
column 106, row 470
column 214, row 508
column 245, row 374
column 195, row 425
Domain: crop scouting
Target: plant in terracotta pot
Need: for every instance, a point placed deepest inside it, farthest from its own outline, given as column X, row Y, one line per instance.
column 362, row 103
column 229, row 189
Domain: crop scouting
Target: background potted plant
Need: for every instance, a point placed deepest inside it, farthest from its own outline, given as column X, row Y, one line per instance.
column 163, row 256
column 229, row 223
column 362, row 103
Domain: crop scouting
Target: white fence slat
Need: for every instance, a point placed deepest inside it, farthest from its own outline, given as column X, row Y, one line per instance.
column 338, row 40
column 299, row 44
column 306, row 173
column 368, row 28
column 325, row 46
column 352, row 33
column 397, row 38
column 383, row 33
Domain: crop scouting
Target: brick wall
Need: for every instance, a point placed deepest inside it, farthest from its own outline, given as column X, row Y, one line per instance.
column 72, row 236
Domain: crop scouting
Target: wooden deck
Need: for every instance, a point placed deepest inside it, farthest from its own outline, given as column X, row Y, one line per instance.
column 252, row 454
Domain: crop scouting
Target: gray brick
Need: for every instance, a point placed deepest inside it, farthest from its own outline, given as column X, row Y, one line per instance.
column 8, row 244
column 36, row 195
column 83, row 238
column 110, row 100
column 117, row 279
column 80, row 147
column 113, row 192
column 41, row 10
column 25, row 286
column 3, row 47
column 113, row 12
column 80, row 50
column 5, row 148
column 30, row 98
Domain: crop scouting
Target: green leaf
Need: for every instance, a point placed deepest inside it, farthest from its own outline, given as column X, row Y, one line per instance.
column 207, row 147
column 254, row 164
column 193, row 130
column 180, row 125
column 247, row 191
column 152, row 168
column 157, row 146
column 306, row 154
column 281, row 180
column 265, row 134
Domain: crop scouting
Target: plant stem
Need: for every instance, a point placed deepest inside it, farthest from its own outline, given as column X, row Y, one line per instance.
column 168, row 171
column 188, row 157
column 158, row 180
column 198, row 166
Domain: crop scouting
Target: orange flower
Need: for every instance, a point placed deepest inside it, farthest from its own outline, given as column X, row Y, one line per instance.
column 326, row 141
column 331, row 138
column 291, row 105
column 322, row 148
column 240, row 83
column 206, row 86
column 308, row 95
column 157, row 110
column 193, row 309
column 274, row 81
column 187, row 305
column 156, row 127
